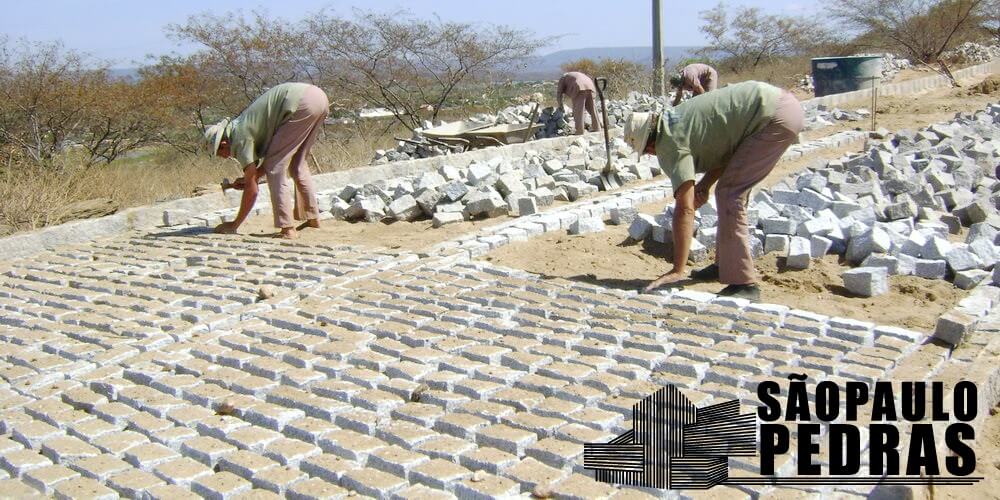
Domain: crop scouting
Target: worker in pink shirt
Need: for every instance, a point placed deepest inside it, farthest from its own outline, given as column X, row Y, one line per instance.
column 581, row 89
column 697, row 78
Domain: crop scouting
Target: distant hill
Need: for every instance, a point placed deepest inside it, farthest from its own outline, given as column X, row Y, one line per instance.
column 547, row 67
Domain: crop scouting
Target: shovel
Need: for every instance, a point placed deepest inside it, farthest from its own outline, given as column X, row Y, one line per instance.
column 609, row 178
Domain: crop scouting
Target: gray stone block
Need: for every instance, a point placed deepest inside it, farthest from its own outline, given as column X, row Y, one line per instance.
column 776, row 243
column 544, row 196
column 890, row 263
column 484, row 202
column 405, row 208
column 952, row 327
column 445, row 218
column 428, row 200
column 348, row 192
column 366, row 209
column 641, row 227
column 966, row 280
column 552, row 166
column 866, row 281
column 429, row 180
column 996, row 275
column 478, row 173
column 586, row 225
column 699, row 252
column 454, row 191
column 175, row 216
column 623, row 215
column 799, row 253
column 936, row 248
column 526, row 205
column 578, row 190
column 662, row 234
column 778, row 225
column 961, row 259
column 819, row 246
column 930, row 269
column 987, row 252
column 509, row 183
column 338, row 208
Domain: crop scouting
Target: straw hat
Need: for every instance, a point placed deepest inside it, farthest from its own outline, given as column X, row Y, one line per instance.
column 215, row 133
column 638, row 126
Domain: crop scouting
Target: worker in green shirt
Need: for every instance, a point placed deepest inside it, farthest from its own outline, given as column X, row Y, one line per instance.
column 271, row 138
column 734, row 136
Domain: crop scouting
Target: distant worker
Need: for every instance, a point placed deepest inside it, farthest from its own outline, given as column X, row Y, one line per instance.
column 697, row 78
column 581, row 88
column 271, row 138
column 735, row 136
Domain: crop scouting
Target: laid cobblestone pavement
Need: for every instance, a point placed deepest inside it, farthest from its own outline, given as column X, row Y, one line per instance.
column 148, row 366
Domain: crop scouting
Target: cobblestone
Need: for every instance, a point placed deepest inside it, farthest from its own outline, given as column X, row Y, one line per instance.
column 371, row 370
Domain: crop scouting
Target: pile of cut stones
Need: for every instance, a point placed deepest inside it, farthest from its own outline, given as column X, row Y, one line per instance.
column 493, row 188
column 972, row 52
column 824, row 116
column 919, row 203
column 554, row 122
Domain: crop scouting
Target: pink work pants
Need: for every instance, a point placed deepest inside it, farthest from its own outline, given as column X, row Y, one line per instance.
column 286, row 158
column 585, row 99
column 753, row 160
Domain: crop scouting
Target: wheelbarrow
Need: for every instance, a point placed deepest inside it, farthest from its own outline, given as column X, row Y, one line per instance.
column 501, row 135
column 453, row 134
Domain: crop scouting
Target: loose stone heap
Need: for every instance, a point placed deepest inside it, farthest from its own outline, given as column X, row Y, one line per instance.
column 971, row 52
column 554, row 123
column 894, row 210
column 494, row 188
column 823, row 116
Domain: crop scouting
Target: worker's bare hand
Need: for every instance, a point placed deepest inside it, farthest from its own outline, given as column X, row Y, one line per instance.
column 226, row 228
column 700, row 196
column 239, row 184
column 672, row 277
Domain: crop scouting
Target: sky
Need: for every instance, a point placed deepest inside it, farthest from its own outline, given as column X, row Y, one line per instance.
column 125, row 32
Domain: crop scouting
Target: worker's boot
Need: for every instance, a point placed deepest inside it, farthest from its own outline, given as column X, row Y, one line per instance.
column 750, row 292
column 707, row 273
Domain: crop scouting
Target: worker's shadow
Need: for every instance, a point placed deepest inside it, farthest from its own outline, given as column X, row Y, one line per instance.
column 182, row 232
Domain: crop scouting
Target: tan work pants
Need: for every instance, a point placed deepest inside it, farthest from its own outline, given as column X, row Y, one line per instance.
column 753, row 160
column 286, row 157
column 585, row 99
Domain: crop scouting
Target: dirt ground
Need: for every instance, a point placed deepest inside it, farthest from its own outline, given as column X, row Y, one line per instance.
column 601, row 258
column 918, row 110
column 912, row 302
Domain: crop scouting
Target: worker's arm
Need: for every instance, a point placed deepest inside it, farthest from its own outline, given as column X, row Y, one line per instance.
column 250, row 189
column 683, row 231
column 677, row 96
column 696, row 87
column 560, row 88
column 704, row 187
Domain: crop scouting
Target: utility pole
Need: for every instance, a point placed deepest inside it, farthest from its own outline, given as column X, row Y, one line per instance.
column 657, row 48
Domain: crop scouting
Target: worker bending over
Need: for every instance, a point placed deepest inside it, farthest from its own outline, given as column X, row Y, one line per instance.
column 581, row 89
column 734, row 136
column 271, row 138
column 697, row 78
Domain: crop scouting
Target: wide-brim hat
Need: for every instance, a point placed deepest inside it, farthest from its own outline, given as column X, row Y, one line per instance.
column 215, row 133
column 638, row 126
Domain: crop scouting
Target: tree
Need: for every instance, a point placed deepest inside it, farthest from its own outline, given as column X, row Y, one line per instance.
column 406, row 64
column 919, row 29
column 46, row 95
column 251, row 55
column 623, row 76
column 746, row 38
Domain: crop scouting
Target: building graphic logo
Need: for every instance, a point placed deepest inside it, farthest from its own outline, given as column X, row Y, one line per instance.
column 674, row 445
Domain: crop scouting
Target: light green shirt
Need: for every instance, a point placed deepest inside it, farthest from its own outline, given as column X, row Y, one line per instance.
column 702, row 133
column 252, row 131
